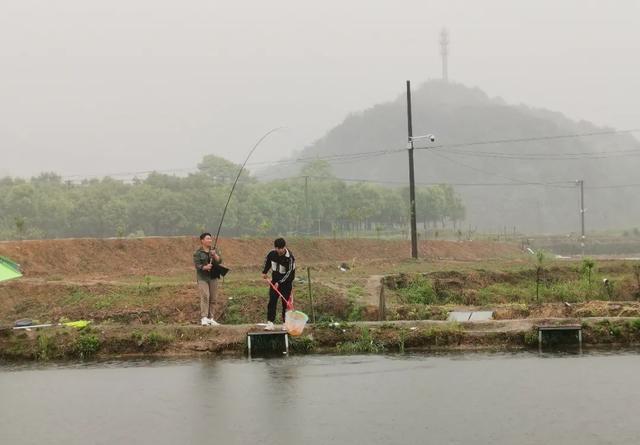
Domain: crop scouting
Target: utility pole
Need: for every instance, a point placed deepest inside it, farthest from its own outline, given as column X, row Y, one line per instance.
column 444, row 52
column 306, row 206
column 583, row 237
column 412, row 181
column 582, row 208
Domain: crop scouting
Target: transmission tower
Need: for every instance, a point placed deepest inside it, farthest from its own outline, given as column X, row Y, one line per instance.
column 444, row 52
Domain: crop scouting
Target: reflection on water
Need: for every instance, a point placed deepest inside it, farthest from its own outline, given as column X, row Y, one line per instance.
column 445, row 399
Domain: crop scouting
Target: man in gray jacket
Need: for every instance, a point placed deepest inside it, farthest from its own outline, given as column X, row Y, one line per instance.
column 205, row 260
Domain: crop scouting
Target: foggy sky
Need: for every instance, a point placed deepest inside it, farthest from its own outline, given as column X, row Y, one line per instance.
column 102, row 87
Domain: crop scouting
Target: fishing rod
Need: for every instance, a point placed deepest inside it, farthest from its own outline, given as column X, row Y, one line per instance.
column 233, row 187
column 224, row 270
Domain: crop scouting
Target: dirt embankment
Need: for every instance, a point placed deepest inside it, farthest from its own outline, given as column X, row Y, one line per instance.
column 112, row 258
column 107, row 341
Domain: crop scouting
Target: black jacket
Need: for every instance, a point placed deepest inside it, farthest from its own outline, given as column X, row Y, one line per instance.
column 283, row 267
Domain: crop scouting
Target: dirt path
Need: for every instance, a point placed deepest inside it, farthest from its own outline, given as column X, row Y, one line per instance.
column 372, row 290
column 371, row 293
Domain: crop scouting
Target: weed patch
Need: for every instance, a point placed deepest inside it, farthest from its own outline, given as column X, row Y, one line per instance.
column 87, row 346
column 354, row 309
column 44, row 347
column 366, row 344
column 418, row 291
column 303, row 345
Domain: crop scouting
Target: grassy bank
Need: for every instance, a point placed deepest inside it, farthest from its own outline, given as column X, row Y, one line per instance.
column 139, row 306
column 106, row 341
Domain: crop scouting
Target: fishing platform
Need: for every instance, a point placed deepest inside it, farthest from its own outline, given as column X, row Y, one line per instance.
column 563, row 329
column 267, row 342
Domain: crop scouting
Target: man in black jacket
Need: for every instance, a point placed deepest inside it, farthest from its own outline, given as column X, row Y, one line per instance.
column 283, row 271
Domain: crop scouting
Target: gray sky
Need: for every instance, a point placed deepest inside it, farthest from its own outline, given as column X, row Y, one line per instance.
column 98, row 87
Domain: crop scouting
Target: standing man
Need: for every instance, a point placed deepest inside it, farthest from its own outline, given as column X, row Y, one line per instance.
column 206, row 259
column 283, row 270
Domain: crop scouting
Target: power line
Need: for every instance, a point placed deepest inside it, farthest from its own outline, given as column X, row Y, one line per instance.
column 353, row 157
column 134, row 173
column 530, row 139
column 612, row 186
column 553, row 184
column 456, row 184
column 333, row 159
column 486, row 172
column 548, row 156
column 347, row 157
column 513, row 180
column 556, row 184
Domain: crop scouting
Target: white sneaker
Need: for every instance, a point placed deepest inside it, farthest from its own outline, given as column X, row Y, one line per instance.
column 212, row 322
column 204, row 321
column 269, row 326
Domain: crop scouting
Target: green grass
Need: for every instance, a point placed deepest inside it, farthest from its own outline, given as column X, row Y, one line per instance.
column 87, row 346
column 104, row 303
column 76, row 296
column 366, row 344
column 156, row 341
column 44, row 347
column 402, row 337
column 304, row 344
column 354, row 308
column 502, row 293
column 417, row 312
column 635, row 324
column 246, row 303
column 558, row 284
column 419, row 291
column 572, row 291
column 160, row 280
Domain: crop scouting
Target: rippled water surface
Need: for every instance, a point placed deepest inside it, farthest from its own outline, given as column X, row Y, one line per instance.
column 449, row 399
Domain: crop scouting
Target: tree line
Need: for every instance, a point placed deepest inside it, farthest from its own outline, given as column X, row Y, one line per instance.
column 313, row 203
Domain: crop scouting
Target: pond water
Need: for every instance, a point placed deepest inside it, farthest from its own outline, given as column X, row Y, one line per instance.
column 474, row 398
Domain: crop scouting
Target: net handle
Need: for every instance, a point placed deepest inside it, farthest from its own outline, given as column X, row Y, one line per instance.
column 288, row 303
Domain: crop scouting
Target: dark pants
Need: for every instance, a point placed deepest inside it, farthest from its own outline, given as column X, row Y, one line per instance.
column 285, row 290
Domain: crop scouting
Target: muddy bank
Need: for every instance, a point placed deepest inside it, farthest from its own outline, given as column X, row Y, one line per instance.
column 628, row 245
column 104, row 341
column 516, row 311
column 165, row 256
column 242, row 299
column 565, row 282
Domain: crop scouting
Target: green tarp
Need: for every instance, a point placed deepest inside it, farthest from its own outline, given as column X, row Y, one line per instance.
column 8, row 269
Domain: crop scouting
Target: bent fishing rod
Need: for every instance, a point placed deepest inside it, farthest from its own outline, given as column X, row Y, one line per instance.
column 233, row 187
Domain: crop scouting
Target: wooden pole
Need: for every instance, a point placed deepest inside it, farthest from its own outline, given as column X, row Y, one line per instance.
column 381, row 303
column 313, row 312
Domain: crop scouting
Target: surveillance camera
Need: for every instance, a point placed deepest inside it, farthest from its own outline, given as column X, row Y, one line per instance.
column 432, row 138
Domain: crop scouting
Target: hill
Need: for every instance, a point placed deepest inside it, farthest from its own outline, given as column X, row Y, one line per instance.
column 538, row 177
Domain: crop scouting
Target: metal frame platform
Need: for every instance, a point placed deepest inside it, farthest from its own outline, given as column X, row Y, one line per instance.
column 559, row 328
column 267, row 333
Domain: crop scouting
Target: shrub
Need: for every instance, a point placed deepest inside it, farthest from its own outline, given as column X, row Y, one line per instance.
column 365, row 344
column 87, row 346
column 418, row 291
